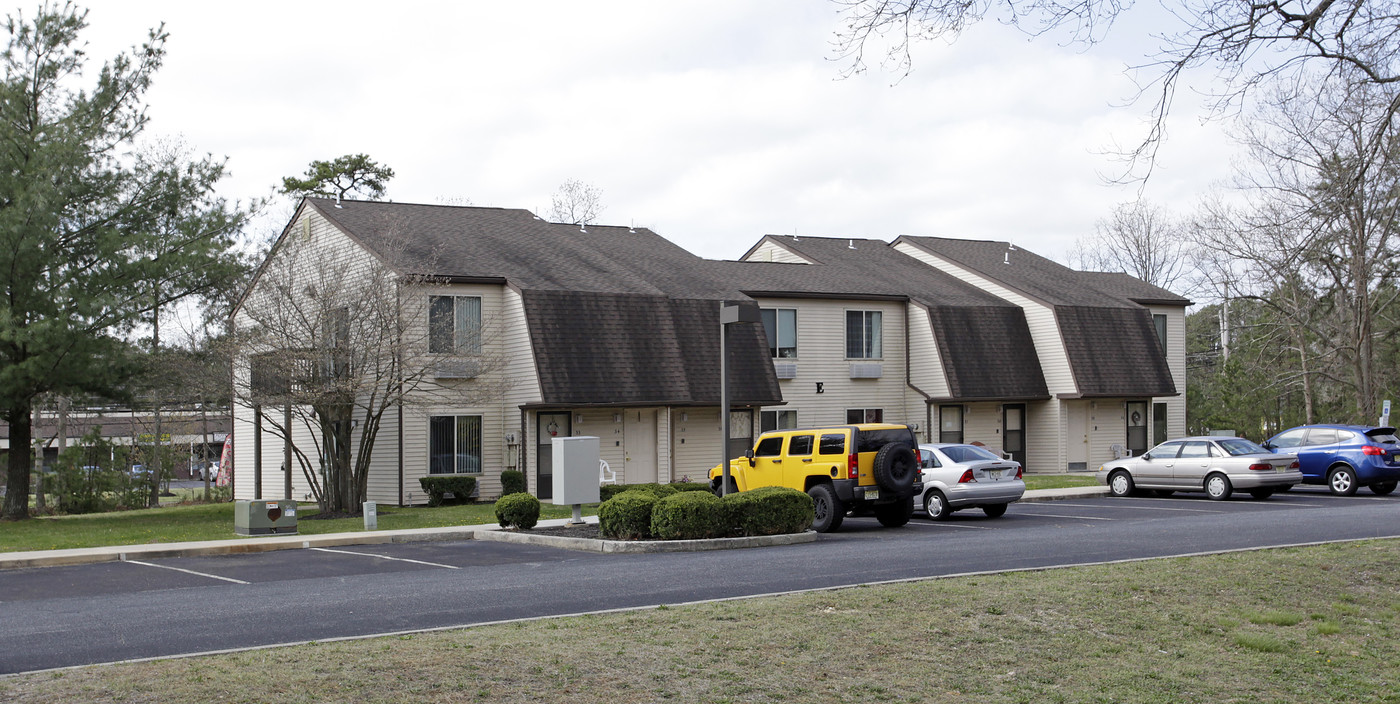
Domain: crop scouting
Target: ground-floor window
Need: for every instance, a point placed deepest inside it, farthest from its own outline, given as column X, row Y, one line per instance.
column 777, row 420
column 1159, row 423
column 865, row 415
column 454, row 444
column 950, row 423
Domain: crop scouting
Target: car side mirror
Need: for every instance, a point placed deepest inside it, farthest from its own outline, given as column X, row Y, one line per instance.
column 748, row 455
column 1270, row 446
column 1147, row 456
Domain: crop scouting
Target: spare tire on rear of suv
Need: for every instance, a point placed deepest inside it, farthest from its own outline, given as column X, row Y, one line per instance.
column 896, row 467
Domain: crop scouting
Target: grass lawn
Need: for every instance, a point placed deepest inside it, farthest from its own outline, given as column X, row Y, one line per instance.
column 1057, row 481
column 1305, row 625
column 215, row 522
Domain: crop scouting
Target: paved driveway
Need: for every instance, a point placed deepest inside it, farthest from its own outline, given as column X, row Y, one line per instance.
column 62, row 616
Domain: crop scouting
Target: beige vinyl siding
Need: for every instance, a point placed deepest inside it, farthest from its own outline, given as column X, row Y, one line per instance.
column 821, row 357
column 328, row 247
column 1108, row 426
column 1045, row 432
column 665, row 472
column 982, row 423
column 695, row 448
column 771, row 251
column 925, row 365
column 505, row 367
column 1176, row 361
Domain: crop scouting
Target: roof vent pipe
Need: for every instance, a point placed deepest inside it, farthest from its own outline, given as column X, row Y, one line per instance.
column 851, row 245
column 1007, row 258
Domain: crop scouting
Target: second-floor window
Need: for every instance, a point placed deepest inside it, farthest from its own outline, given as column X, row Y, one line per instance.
column 780, row 325
column 1159, row 321
column 454, row 324
column 863, row 334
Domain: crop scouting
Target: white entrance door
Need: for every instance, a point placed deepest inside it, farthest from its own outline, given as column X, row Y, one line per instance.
column 1077, row 435
column 639, row 442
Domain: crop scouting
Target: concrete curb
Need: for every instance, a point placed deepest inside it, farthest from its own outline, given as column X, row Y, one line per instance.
column 646, row 546
column 116, row 553
column 1076, row 492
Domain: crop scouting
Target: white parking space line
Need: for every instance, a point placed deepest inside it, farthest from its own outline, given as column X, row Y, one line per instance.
column 1143, row 508
column 1061, row 515
column 386, row 557
column 923, row 524
column 177, row 569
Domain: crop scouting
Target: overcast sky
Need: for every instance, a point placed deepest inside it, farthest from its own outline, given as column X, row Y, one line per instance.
column 712, row 122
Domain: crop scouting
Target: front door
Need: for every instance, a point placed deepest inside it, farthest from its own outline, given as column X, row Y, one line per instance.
column 551, row 425
column 1137, row 427
column 1013, row 431
column 740, row 433
column 1077, row 437
column 639, row 444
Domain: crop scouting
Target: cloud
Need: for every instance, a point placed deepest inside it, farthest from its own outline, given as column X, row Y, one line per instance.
column 712, row 122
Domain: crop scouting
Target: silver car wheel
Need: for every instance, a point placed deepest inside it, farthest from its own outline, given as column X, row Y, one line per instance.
column 1342, row 482
column 1218, row 487
column 1120, row 484
column 936, row 506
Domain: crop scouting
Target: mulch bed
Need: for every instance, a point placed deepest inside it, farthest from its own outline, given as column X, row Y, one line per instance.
column 588, row 530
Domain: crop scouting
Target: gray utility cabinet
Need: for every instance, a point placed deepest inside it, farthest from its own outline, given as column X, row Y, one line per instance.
column 275, row 517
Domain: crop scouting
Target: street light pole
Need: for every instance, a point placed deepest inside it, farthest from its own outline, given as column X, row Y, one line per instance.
column 729, row 313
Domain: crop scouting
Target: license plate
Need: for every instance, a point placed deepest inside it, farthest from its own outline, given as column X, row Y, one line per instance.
column 872, row 494
column 994, row 473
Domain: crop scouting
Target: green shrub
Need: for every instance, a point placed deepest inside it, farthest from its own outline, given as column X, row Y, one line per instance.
column 519, row 510
column 608, row 491
column 690, row 515
column 690, row 486
column 770, row 510
column 627, row 516
column 512, row 482
column 459, row 486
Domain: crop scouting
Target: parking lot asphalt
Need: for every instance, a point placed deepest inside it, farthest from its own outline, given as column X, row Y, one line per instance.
column 111, row 553
column 104, row 612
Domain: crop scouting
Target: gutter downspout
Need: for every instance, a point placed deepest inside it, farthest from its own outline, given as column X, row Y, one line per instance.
column 909, row 378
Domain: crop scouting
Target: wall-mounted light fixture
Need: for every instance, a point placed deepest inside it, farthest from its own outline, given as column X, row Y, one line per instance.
column 617, row 417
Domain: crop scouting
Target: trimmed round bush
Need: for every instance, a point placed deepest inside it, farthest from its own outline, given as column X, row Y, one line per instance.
column 770, row 510
column 521, row 511
column 627, row 516
column 690, row 515
column 512, row 482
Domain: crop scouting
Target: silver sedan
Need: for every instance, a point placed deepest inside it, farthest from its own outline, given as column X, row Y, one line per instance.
column 958, row 476
column 1215, row 465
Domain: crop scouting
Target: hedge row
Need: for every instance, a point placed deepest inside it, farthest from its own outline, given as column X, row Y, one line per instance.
column 459, row 486
column 643, row 512
column 607, row 491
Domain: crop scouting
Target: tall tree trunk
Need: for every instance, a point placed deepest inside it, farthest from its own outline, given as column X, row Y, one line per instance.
column 17, row 478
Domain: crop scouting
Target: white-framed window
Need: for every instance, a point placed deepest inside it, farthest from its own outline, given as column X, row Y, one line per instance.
column 950, row 423
column 1159, row 321
column 454, row 324
column 865, row 415
column 780, row 325
column 777, row 420
column 863, row 334
column 454, row 445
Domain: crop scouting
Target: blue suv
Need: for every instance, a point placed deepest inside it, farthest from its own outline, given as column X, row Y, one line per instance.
column 1344, row 457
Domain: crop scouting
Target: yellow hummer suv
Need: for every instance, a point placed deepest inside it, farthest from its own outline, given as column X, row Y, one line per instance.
column 869, row 467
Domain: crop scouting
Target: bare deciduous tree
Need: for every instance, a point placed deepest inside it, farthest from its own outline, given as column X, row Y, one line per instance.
column 1320, row 230
column 1248, row 44
column 577, row 203
column 339, row 340
column 1139, row 238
